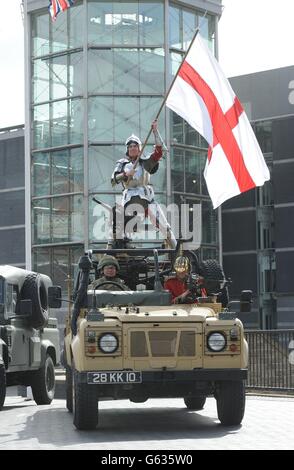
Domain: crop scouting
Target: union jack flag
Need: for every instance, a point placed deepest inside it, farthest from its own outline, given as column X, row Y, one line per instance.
column 56, row 6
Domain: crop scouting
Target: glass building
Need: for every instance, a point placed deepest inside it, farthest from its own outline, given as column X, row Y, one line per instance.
column 258, row 244
column 93, row 77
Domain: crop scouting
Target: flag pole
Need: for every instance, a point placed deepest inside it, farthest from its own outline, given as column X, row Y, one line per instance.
column 165, row 98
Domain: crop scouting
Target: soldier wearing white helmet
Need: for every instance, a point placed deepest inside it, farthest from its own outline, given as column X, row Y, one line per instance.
column 136, row 180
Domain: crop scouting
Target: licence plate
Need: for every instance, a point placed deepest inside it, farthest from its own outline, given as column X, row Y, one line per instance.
column 118, row 377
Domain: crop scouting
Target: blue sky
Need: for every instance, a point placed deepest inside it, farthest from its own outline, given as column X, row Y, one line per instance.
column 254, row 35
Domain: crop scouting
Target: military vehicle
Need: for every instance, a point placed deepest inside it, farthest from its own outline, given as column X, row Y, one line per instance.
column 137, row 345
column 29, row 338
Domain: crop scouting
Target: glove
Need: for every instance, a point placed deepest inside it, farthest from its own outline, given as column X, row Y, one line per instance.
column 157, row 154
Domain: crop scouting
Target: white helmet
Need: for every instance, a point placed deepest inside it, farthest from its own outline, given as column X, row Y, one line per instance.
column 133, row 139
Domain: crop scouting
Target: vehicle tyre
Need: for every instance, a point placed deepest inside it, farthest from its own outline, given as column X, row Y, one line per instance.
column 43, row 383
column 195, row 403
column 34, row 289
column 2, row 385
column 213, row 274
column 85, row 404
column 230, row 399
column 68, row 388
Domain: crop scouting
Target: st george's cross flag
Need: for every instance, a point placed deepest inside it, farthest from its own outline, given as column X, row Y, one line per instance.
column 202, row 95
column 56, row 6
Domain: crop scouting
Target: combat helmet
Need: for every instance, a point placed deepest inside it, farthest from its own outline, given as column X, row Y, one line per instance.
column 108, row 260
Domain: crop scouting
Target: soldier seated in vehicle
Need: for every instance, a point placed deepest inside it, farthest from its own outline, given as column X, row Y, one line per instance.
column 183, row 287
column 109, row 268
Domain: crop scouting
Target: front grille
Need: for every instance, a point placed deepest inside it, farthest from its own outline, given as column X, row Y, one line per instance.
column 138, row 344
column 163, row 343
column 187, row 344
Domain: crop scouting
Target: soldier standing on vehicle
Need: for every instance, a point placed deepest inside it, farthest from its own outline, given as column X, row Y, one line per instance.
column 183, row 291
column 134, row 175
column 109, row 268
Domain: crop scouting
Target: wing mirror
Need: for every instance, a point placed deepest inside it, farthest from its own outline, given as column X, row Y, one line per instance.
column 54, row 297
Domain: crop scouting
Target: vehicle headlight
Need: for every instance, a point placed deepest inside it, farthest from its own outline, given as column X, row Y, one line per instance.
column 216, row 341
column 108, row 343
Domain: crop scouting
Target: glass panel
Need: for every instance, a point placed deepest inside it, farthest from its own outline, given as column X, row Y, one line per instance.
column 60, row 266
column 58, row 263
column 67, row 75
column 149, row 107
column 59, row 30
column 101, row 165
column 41, row 128
column 59, row 77
column 100, row 21
column 175, row 27
column 65, row 168
column 125, row 23
column 40, row 34
column 41, row 221
column 60, row 169
column 101, row 115
column 151, row 70
column 177, row 170
column 126, row 71
column 76, row 120
column 12, row 163
column 12, row 208
column 41, row 174
column 67, row 122
column 191, row 136
column 209, row 218
column 100, row 66
column 59, row 127
column 12, row 244
column 67, row 219
column 263, row 132
column 176, row 60
column 189, row 27
column 151, row 23
column 40, row 81
column 207, row 29
column 41, row 261
column 76, row 170
column 76, row 17
column 126, row 118
column 194, row 166
column 177, row 130
column 100, row 228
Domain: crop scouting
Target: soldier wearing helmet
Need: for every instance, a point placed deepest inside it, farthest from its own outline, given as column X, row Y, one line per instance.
column 180, row 286
column 135, row 178
column 109, row 268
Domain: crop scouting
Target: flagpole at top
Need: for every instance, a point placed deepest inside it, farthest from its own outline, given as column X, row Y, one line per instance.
column 167, row 94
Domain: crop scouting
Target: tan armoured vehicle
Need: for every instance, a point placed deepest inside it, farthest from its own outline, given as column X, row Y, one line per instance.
column 135, row 344
column 29, row 338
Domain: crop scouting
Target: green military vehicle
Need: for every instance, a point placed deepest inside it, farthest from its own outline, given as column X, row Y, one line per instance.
column 29, row 338
column 135, row 344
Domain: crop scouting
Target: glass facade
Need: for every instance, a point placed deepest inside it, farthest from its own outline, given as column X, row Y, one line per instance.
column 99, row 74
